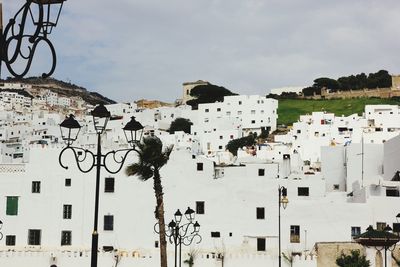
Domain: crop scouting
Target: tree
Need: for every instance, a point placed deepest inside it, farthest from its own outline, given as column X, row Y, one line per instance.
column 326, row 82
column 152, row 158
column 208, row 94
column 352, row 260
column 180, row 124
column 235, row 144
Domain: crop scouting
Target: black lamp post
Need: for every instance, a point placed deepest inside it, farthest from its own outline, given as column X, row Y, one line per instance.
column 283, row 201
column 70, row 129
column 44, row 15
column 380, row 239
column 179, row 234
column 1, row 226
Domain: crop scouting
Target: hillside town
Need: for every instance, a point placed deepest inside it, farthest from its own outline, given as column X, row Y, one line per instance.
column 341, row 175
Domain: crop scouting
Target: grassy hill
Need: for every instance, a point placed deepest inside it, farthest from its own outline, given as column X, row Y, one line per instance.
column 289, row 110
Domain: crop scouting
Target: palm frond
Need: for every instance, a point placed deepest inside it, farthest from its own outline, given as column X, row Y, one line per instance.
column 151, row 157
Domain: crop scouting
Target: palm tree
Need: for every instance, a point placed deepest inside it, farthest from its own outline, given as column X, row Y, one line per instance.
column 151, row 158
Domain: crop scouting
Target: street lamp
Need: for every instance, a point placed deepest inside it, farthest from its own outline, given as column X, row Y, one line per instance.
column 179, row 234
column 380, row 239
column 283, row 201
column 69, row 131
column 44, row 15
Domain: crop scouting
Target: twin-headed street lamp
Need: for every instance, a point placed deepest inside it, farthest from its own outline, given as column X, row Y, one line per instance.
column 283, row 201
column 70, row 129
column 44, row 15
column 182, row 233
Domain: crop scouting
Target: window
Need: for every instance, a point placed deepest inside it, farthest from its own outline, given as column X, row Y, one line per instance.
column 156, row 244
column 207, row 110
column 199, row 166
column 260, row 213
column 10, row 240
column 221, row 137
column 253, row 121
column 240, row 102
column 67, row 211
column 200, row 207
column 303, row 191
column 239, row 112
column 392, row 192
column 380, row 226
column 109, row 185
column 12, row 206
column 66, row 237
column 215, row 234
column 294, row 234
column 261, row 172
column 67, row 182
column 108, row 222
column 253, row 112
column 355, row 231
column 34, row 236
column 261, row 244
column 36, row 187
column 336, row 187
column 218, row 109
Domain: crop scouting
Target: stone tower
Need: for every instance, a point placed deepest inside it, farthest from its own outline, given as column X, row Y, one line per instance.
column 395, row 82
column 188, row 86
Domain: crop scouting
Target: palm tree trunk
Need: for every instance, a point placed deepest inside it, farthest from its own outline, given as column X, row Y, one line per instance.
column 158, row 190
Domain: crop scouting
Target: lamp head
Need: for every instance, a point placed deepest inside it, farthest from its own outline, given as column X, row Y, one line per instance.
column 100, row 116
column 171, row 225
column 284, row 200
column 51, row 14
column 196, row 227
column 70, row 129
column 178, row 216
column 189, row 214
column 133, row 131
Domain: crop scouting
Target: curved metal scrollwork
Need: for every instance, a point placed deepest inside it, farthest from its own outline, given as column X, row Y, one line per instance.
column 119, row 160
column 181, row 234
column 15, row 37
column 81, row 155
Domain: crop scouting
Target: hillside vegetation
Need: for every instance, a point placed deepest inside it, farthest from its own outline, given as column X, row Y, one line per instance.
column 289, row 110
column 63, row 88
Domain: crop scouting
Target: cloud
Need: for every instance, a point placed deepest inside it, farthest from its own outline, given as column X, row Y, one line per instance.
column 134, row 49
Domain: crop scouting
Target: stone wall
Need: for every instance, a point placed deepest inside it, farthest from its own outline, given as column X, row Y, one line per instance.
column 379, row 92
column 328, row 252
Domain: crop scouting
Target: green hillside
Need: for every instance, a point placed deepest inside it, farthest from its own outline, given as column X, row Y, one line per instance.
column 289, row 110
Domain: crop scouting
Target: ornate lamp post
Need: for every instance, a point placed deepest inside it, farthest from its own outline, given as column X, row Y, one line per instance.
column 44, row 15
column 70, row 129
column 379, row 239
column 179, row 234
column 283, row 201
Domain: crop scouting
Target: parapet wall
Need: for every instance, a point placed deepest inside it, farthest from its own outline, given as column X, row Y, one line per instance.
column 379, row 92
column 78, row 258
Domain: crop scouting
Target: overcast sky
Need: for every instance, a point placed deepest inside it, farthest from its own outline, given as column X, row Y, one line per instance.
column 131, row 49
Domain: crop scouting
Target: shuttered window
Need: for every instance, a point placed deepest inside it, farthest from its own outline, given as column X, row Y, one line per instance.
column 12, row 206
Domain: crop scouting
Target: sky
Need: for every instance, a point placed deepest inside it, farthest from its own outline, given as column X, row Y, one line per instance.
column 134, row 49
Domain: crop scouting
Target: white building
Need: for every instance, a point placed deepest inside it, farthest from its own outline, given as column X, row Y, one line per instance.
column 338, row 180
